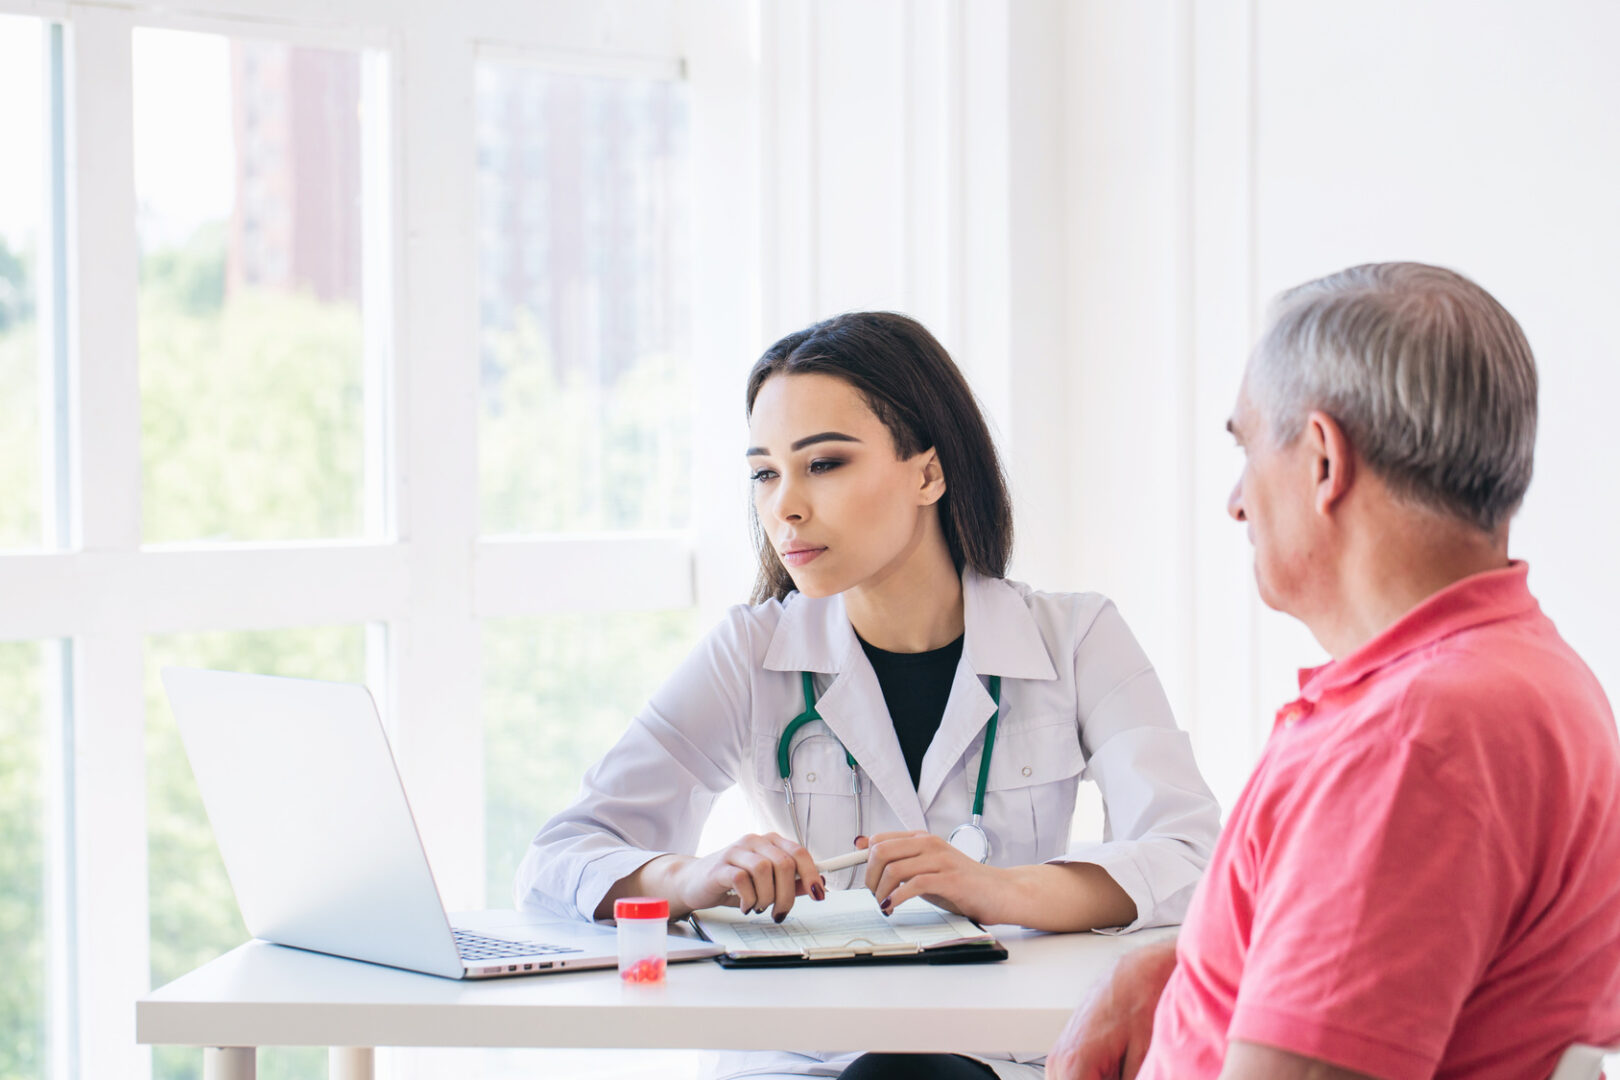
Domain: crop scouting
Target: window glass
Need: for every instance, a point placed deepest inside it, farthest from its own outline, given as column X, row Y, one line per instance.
column 559, row 690
column 194, row 916
column 248, row 185
column 582, row 239
column 23, row 934
column 24, row 213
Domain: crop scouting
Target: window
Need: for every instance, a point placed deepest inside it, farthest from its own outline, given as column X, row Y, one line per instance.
column 26, row 906
column 585, row 410
column 585, row 436
column 252, row 331
column 26, row 357
column 586, row 392
column 218, row 434
column 37, row 1013
column 558, row 691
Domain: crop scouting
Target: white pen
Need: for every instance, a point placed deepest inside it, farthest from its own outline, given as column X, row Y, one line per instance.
column 837, row 862
column 840, row 862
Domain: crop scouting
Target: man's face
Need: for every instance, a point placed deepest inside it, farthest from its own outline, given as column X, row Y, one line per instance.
column 1275, row 497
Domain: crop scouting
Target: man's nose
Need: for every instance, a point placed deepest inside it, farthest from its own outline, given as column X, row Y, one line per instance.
column 1234, row 502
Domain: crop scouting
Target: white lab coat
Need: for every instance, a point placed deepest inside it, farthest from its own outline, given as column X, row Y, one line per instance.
column 1079, row 700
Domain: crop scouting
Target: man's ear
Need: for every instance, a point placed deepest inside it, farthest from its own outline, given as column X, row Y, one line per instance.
column 1332, row 460
column 933, row 479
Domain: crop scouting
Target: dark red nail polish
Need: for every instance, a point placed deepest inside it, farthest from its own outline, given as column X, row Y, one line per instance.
column 779, row 916
column 815, row 891
column 884, row 906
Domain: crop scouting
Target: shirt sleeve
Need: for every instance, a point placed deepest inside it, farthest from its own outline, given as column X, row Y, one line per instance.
column 1379, row 898
column 1161, row 818
column 651, row 793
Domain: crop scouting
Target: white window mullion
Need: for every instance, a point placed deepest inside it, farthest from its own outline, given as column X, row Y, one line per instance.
column 726, row 302
column 378, row 227
column 110, row 827
column 435, row 721
column 591, row 572
column 106, row 383
column 110, row 778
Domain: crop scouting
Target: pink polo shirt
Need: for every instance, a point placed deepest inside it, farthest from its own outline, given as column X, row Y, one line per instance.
column 1422, row 877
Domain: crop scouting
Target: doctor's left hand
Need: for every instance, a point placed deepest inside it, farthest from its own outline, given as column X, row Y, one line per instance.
column 907, row 864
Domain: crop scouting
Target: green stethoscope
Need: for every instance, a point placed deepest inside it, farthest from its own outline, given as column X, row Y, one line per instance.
column 969, row 837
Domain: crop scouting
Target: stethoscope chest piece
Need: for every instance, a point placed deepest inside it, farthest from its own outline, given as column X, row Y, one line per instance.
column 969, row 838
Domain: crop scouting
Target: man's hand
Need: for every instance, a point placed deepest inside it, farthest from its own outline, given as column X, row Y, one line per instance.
column 1108, row 1035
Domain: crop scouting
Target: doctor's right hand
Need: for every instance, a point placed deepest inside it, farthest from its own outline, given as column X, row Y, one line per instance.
column 754, row 873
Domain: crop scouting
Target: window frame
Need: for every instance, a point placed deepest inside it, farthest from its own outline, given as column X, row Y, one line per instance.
column 424, row 578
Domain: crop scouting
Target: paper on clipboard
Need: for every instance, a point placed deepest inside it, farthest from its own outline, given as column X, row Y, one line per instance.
column 847, row 923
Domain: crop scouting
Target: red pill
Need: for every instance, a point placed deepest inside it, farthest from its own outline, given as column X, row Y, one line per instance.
column 650, row 970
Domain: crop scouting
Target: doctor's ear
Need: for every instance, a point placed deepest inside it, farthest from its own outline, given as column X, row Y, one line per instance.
column 933, row 478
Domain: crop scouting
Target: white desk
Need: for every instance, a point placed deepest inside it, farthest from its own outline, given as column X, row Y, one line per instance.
column 265, row 995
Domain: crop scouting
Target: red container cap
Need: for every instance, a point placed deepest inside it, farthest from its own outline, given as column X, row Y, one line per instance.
column 641, row 907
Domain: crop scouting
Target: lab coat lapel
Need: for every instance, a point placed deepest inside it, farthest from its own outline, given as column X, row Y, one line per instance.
column 853, row 707
column 1001, row 638
column 815, row 635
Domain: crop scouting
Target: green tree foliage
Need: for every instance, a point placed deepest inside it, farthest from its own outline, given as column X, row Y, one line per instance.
column 561, row 452
column 19, row 406
column 252, row 411
column 22, row 747
column 22, row 864
column 189, row 279
column 16, row 288
column 558, row 691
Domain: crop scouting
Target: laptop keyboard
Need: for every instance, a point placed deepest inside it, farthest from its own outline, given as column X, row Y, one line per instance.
column 478, row 947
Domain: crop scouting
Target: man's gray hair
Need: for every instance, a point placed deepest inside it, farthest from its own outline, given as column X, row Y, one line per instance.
column 1430, row 378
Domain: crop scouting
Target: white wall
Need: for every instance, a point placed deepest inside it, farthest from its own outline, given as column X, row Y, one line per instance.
column 1481, row 136
column 910, row 164
column 1302, row 138
column 1090, row 202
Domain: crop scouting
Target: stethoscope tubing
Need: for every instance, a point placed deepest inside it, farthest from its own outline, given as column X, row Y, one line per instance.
column 784, row 767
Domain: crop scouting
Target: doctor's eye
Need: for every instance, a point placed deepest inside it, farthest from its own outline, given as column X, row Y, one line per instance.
column 759, row 475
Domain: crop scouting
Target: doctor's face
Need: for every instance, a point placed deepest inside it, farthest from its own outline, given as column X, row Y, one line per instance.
column 839, row 506
column 1273, row 496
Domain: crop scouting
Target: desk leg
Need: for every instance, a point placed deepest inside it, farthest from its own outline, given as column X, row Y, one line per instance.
column 230, row 1063
column 350, row 1063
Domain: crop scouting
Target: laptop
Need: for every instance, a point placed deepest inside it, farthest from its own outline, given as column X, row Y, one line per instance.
column 320, row 846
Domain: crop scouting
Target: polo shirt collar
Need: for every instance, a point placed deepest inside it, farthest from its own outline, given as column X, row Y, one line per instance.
column 1475, row 600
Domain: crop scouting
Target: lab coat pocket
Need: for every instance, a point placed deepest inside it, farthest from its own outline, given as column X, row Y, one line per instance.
column 823, row 795
column 1030, row 792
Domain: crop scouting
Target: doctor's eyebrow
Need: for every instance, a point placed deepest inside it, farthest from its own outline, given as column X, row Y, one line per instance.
column 808, row 440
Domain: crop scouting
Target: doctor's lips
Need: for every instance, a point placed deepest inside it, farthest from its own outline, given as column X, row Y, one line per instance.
column 797, row 554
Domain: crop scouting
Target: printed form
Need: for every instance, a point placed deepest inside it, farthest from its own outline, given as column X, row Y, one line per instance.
column 846, row 923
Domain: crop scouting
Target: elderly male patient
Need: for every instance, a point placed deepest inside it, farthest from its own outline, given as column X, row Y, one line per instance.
column 1422, row 877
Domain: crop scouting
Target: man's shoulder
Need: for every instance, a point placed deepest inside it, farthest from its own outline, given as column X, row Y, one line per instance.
column 1519, row 672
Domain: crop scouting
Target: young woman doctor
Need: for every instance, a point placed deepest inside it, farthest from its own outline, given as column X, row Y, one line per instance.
column 890, row 687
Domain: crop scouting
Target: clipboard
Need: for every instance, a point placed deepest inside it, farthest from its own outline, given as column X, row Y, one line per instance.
column 846, row 928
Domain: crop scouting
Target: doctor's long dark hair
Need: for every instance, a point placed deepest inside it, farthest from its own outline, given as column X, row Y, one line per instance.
column 911, row 383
